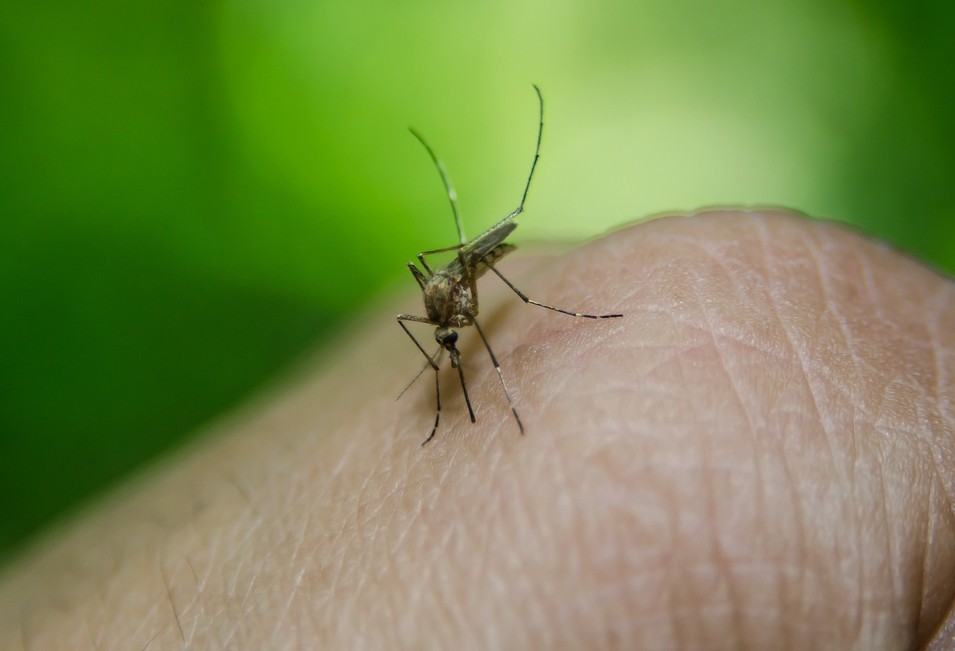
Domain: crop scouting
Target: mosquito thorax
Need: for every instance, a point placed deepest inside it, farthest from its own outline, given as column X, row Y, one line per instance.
column 449, row 301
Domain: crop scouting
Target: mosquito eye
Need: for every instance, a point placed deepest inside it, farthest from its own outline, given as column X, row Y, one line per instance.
column 445, row 336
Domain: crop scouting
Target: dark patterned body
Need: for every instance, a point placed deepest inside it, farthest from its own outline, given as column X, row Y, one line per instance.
column 450, row 295
column 448, row 300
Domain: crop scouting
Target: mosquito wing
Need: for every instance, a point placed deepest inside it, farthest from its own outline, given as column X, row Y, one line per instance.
column 488, row 240
column 488, row 245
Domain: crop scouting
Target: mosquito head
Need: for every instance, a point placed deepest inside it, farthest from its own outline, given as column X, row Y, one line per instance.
column 448, row 339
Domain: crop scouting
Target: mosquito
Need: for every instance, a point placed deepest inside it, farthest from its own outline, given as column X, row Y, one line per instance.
column 450, row 292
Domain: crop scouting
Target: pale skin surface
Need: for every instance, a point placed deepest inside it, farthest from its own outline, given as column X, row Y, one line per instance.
column 759, row 455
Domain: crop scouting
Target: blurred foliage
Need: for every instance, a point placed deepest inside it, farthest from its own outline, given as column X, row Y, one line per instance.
column 193, row 193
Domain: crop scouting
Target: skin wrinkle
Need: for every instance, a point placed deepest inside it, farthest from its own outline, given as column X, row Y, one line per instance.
column 330, row 570
column 101, row 597
column 862, row 367
column 800, row 519
column 488, row 581
column 626, row 528
column 807, row 364
column 202, row 615
column 367, row 507
column 458, row 608
column 524, row 518
column 924, row 585
column 928, row 524
column 151, row 641
column 890, row 554
column 574, row 340
column 872, row 292
column 578, row 546
column 181, row 616
column 942, row 397
column 172, row 603
column 941, row 368
column 777, row 355
column 862, row 410
column 233, row 632
column 719, row 556
column 21, row 623
column 546, row 400
column 679, row 588
column 943, row 526
column 243, row 608
column 762, row 523
column 915, row 615
column 832, row 307
column 926, row 426
column 683, row 572
column 446, row 609
column 346, row 585
column 859, row 370
column 156, row 606
column 539, row 534
column 89, row 634
column 233, row 480
column 924, row 434
column 829, row 419
column 749, row 344
column 719, row 562
column 854, row 478
column 933, row 631
column 803, row 521
column 673, row 577
column 295, row 593
column 612, row 598
column 483, row 564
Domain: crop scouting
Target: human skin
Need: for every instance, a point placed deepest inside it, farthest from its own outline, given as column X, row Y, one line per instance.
column 759, row 455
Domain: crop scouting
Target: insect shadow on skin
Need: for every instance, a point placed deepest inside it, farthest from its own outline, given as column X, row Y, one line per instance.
column 450, row 292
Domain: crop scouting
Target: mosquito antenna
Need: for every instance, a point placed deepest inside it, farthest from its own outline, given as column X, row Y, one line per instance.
column 537, row 154
column 434, row 359
column 452, row 195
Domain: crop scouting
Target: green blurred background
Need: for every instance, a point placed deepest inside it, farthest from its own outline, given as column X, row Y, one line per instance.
column 193, row 193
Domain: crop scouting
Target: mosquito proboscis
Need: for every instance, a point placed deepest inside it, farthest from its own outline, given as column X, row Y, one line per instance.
column 450, row 292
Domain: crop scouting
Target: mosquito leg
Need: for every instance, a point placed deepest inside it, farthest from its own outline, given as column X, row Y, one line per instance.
column 436, row 358
column 437, row 410
column 424, row 264
column 452, row 195
column 420, row 319
column 419, row 275
column 497, row 367
column 432, row 363
column 524, row 298
column 464, row 387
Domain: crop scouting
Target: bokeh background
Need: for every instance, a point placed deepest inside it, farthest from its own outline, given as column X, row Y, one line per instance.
column 194, row 193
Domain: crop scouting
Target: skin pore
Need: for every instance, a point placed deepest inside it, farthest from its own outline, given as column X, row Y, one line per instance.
column 760, row 454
